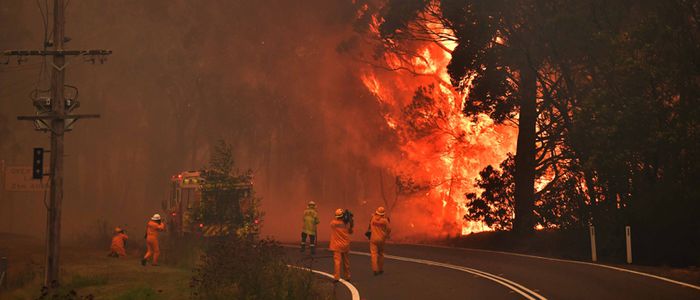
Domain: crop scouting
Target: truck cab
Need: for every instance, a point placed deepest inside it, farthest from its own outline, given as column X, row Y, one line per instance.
column 185, row 193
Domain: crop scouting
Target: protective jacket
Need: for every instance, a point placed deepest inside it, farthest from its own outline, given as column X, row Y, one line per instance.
column 118, row 244
column 153, row 248
column 153, row 228
column 380, row 229
column 340, row 236
column 310, row 221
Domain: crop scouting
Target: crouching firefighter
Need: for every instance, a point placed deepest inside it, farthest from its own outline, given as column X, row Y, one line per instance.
column 118, row 247
column 309, row 229
column 341, row 229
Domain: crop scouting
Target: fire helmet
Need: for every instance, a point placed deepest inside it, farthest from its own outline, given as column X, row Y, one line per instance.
column 380, row 211
column 338, row 213
column 117, row 230
column 312, row 204
column 156, row 217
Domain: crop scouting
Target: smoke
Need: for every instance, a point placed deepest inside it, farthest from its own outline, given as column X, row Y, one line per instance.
column 265, row 76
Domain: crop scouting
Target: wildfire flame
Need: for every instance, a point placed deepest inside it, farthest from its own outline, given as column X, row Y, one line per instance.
column 442, row 150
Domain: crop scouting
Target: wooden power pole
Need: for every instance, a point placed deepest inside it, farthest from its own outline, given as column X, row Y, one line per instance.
column 57, row 123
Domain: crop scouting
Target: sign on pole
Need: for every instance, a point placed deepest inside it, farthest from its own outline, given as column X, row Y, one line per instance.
column 19, row 179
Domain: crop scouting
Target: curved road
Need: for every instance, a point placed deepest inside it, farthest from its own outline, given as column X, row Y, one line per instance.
column 424, row 272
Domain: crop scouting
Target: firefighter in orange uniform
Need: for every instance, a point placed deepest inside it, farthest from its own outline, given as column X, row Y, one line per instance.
column 154, row 226
column 118, row 243
column 340, row 244
column 379, row 227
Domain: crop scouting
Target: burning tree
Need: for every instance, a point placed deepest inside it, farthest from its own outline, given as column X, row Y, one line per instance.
column 441, row 149
column 491, row 58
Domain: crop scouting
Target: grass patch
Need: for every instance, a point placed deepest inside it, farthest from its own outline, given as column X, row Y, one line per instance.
column 87, row 273
column 79, row 281
column 139, row 293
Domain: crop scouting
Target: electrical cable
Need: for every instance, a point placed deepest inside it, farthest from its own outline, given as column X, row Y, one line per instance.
column 20, row 68
column 45, row 203
column 44, row 18
column 45, row 23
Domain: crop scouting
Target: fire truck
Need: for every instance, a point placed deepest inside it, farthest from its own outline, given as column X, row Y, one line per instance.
column 186, row 196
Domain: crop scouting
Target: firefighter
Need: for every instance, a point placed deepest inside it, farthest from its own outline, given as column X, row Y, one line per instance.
column 340, row 243
column 154, row 226
column 379, row 228
column 118, row 243
column 309, row 229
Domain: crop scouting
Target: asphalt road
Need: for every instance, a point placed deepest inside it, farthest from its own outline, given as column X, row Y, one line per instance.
column 424, row 272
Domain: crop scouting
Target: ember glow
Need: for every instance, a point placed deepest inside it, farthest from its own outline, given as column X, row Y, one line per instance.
column 442, row 150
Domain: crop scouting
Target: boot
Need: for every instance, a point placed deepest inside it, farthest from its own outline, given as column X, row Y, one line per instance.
column 303, row 247
column 312, row 247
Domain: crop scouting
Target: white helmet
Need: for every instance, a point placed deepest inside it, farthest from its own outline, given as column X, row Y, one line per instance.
column 156, row 217
column 311, row 204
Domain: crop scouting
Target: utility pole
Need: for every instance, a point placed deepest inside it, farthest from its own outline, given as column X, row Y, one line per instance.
column 57, row 120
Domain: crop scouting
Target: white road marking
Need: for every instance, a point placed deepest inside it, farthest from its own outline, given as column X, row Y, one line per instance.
column 570, row 261
column 525, row 292
column 513, row 286
column 353, row 291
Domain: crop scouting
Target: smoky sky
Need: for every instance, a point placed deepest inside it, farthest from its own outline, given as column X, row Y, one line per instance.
column 265, row 76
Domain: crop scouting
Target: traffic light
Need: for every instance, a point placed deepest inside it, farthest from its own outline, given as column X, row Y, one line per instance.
column 38, row 164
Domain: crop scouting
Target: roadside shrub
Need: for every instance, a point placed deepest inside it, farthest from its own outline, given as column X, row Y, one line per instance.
column 240, row 268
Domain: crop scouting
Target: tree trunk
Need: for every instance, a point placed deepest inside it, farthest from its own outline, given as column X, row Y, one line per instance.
column 525, row 153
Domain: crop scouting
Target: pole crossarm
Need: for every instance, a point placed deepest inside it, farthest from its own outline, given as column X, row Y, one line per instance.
column 56, row 52
column 56, row 117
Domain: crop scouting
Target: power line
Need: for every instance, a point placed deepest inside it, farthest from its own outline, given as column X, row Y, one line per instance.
column 22, row 67
column 44, row 42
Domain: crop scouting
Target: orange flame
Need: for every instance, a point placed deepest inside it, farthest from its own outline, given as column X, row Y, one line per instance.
column 441, row 149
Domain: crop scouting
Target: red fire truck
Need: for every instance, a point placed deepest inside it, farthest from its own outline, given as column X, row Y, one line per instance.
column 186, row 196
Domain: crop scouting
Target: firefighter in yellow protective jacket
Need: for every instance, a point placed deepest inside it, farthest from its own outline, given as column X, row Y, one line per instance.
column 379, row 228
column 340, row 244
column 309, row 229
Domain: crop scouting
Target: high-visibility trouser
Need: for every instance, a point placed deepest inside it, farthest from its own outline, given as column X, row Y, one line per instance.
column 312, row 240
column 376, row 250
column 153, row 249
column 119, row 250
column 344, row 258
